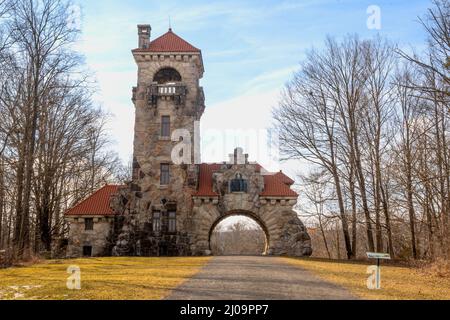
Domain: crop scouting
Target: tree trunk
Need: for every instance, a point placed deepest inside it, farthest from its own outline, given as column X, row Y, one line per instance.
column 411, row 213
column 377, row 201
column 2, row 200
column 362, row 188
column 338, row 242
column 21, row 229
column 343, row 215
column 325, row 242
column 354, row 216
column 387, row 218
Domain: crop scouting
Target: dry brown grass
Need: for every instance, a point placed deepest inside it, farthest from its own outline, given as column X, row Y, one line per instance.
column 101, row 278
column 439, row 268
column 397, row 282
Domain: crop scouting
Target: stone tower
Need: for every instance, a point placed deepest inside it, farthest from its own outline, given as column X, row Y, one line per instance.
column 168, row 102
column 173, row 203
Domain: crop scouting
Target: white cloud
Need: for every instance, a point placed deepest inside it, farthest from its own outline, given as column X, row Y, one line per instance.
column 115, row 95
column 243, row 121
column 273, row 78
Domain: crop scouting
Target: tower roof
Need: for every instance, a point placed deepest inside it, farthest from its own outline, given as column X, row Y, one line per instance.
column 169, row 42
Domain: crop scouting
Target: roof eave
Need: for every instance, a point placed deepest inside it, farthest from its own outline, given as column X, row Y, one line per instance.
column 78, row 215
column 147, row 51
column 143, row 52
column 276, row 197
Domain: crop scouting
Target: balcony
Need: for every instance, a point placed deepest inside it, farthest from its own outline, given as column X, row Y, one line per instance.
column 170, row 89
column 175, row 91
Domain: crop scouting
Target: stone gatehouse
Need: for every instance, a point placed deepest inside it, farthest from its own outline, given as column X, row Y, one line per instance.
column 171, row 207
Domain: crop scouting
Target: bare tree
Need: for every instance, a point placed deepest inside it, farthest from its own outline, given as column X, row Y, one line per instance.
column 323, row 118
column 306, row 121
column 41, row 35
column 377, row 126
column 437, row 60
column 380, row 137
column 48, row 124
column 318, row 194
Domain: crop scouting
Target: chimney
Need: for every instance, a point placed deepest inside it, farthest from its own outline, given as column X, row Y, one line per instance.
column 144, row 31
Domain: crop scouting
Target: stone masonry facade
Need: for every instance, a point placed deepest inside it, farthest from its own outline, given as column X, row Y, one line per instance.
column 170, row 207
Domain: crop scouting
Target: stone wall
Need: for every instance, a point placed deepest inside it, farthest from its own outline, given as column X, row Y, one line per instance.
column 97, row 238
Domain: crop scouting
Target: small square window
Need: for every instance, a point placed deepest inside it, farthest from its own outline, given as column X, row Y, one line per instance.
column 238, row 184
column 88, row 224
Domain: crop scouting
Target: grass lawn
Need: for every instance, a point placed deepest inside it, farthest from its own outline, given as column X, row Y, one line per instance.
column 396, row 282
column 101, row 278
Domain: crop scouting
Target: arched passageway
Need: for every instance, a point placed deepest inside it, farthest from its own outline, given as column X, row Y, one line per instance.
column 238, row 233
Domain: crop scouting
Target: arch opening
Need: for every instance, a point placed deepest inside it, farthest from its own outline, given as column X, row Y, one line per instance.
column 238, row 234
column 167, row 75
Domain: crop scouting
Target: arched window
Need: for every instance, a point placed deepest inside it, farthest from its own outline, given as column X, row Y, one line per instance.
column 167, row 75
column 238, row 184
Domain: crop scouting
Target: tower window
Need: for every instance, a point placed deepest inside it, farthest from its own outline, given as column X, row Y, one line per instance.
column 156, row 221
column 166, row 75
column 238, row 184
column 89, row 224
column 165, row 126
column 172, row 221
column 165, row 174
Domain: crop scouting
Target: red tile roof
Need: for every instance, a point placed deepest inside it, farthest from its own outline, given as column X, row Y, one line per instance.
column 97, row 204
column 275, row 185
column 205, row 186
column 169, row 42
column 285, row 178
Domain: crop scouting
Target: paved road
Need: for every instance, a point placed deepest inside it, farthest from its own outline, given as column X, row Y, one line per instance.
column 255, row 278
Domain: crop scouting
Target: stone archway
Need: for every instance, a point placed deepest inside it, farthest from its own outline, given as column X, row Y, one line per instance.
column 247, row 214
column 285, row 232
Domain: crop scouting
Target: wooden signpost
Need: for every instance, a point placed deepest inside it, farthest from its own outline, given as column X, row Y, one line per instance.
column 378, row 256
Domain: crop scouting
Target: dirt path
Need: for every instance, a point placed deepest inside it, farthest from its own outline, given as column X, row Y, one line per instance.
column 255, row 278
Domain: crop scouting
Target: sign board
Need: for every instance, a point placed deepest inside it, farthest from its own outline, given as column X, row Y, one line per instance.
column 376, row 255
column 374, row 281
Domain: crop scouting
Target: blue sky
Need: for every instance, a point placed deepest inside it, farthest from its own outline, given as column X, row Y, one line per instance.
column 250, row 49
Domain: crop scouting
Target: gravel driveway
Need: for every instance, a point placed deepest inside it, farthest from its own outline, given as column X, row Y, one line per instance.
column 255, row 278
